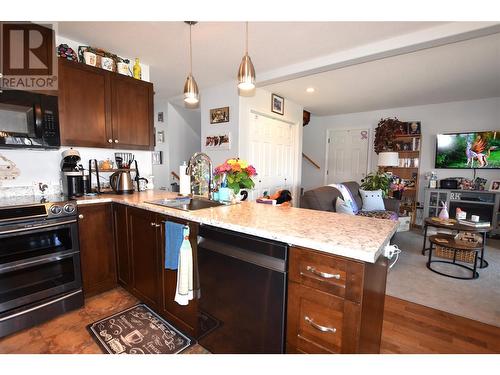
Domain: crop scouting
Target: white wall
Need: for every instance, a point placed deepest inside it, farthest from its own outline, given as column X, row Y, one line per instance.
column 44, row 166
column 183, row 138
column 472, row 115
column 224, row 95
column 161, row 172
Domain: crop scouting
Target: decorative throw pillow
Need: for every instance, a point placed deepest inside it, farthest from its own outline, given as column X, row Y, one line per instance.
column 343, row 208
column 372, row 200
column 347, row 197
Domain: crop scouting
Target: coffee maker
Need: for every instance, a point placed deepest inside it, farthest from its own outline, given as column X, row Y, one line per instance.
column 72, row 174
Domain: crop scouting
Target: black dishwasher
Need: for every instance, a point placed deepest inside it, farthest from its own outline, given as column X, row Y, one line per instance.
column 243, row 292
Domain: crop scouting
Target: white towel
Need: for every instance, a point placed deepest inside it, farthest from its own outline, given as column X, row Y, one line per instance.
column 184, row 289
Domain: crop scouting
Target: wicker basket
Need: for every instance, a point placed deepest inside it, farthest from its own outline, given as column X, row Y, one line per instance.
column 466, row 256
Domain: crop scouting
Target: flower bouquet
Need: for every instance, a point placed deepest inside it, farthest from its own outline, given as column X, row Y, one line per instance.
column 235, row 174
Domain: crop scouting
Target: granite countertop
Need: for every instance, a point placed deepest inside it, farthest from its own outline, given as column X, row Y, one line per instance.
column 355, row 237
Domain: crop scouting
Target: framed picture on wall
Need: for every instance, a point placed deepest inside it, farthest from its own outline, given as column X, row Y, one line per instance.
column 218, row 142
column 277, row 104
column 219, row 115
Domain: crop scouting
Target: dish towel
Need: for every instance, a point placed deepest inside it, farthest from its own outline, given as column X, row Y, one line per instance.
column 184, row 290
column 173, row 241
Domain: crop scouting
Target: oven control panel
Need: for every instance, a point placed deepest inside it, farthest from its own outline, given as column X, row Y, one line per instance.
column 60, row 209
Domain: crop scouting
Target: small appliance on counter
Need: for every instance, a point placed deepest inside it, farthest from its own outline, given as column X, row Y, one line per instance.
column 121, row 182
column 72, row 174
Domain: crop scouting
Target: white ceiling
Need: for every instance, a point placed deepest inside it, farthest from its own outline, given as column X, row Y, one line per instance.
column 218, row 46
column 459, row 71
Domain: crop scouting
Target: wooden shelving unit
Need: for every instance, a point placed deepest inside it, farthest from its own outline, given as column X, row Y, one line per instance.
column 409, row 173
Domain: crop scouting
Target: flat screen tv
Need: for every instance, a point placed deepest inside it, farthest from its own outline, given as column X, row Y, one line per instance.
column 468, row 150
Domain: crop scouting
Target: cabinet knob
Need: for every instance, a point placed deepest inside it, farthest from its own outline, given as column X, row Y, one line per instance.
column 110, row 140
column 153, row 224
column 80, row 216
column 116, row 140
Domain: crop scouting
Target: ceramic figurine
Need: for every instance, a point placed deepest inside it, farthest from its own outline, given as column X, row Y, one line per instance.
column 444, row 212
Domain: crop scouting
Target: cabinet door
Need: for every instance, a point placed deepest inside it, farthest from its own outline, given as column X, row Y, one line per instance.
column 318, row 322
column 144, row 256
column 84, row 105
column 97, row 253
column 132, row 113
column 121, row 245
column 184, row 317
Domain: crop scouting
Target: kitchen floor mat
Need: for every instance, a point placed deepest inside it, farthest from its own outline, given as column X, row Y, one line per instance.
column 138, row 330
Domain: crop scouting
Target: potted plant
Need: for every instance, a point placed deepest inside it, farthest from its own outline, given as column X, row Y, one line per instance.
column 377, row 181
column 235, row 174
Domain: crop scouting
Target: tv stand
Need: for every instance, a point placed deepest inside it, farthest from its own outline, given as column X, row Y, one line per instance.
column 485, row 204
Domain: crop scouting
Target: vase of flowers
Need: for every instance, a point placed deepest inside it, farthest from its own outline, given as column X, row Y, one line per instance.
column 235, row 174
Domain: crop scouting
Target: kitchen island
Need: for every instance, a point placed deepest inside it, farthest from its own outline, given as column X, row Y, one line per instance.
column 335, row 274
column 355, row 237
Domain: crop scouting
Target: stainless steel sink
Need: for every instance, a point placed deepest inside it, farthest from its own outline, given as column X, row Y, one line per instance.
column 187, row 204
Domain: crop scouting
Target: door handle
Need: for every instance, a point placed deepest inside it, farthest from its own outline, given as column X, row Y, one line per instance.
column 320, row 327
column 324, row 275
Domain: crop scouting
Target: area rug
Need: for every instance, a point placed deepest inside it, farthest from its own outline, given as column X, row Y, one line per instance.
column 138, row 330
column 477, row 299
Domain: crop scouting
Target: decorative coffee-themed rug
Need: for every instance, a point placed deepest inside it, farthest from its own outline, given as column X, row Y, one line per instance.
column 138, row 330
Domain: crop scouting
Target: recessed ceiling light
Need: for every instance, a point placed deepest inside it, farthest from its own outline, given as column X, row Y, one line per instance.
column 310, row 89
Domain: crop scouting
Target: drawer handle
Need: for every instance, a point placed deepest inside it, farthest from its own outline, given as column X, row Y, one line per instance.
column 323, row 274
column 319, row 327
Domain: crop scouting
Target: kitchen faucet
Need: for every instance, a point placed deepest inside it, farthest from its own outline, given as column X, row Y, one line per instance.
column 200, row 157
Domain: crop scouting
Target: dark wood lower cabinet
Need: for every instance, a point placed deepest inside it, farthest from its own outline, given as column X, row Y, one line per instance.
column 335, row 305
column 97, row 252
column 123, row 266
column 140, row 250
column 184, row 317
column 144, row 255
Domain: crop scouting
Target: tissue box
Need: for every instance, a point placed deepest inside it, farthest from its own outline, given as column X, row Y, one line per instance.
column 404, row 224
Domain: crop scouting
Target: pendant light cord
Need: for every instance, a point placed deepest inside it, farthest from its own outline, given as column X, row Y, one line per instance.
column 190, row 51
column 246, row 39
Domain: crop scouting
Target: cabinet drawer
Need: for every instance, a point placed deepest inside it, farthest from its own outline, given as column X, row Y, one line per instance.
column 319, row 322
column 327, row 273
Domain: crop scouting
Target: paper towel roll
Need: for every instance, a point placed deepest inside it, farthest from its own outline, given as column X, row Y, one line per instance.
column 184, row 181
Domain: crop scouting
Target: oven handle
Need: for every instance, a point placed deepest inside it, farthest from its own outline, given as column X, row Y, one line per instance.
column 40, row 306
column 16, row 267
column 37, row 227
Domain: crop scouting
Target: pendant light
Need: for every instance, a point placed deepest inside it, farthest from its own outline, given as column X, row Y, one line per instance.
column 246, row 72
column 191, row 92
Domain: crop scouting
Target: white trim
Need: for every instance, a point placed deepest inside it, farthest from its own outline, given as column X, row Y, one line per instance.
column 271, row 117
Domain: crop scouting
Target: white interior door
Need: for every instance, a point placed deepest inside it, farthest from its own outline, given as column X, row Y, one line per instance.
column 347, row 155
column 271, row 151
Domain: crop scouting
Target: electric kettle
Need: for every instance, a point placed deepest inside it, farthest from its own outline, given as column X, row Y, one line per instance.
column 121, row 182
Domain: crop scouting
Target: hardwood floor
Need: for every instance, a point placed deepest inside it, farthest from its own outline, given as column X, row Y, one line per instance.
column 412, row 328
column 408, row 328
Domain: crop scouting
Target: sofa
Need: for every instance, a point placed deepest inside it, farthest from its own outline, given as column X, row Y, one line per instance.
column 324, row 197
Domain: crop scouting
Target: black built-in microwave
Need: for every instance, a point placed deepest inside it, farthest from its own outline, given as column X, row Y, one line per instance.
column 28, row 120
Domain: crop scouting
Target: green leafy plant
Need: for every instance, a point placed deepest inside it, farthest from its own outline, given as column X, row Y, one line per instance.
column 377, row 181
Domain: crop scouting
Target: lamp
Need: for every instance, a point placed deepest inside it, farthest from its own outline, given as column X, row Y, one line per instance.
column 191, row 92
column 388, row 159
column 246, row 71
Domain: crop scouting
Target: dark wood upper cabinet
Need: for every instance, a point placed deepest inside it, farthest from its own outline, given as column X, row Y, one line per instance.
column 98, row 108
column 96, row 248
column 144, row 255
column 84, row 105
column 132, row 113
